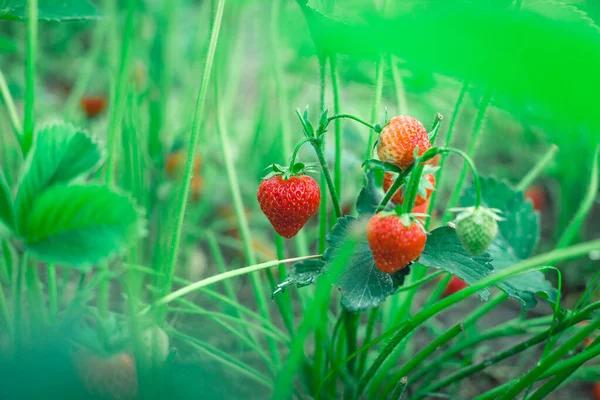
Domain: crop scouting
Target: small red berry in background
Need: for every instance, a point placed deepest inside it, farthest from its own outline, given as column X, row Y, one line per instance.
column 398, row 140
column 176, row 164
column 588, row 340
column 455, row 285
column 398, row 198
column 93, row 106
column 289, row 203
column 537, row 195
column 196, row 187
column 393, row 242
column 596, row 391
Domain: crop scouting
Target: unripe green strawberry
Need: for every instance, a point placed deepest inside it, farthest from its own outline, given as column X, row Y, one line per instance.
column 477, row 228
column 398, row 140
column 156, row 344
column 394, row 241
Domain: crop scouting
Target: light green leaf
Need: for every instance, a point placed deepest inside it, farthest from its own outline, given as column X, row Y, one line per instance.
column 443, row 250
column 50, row 10
column 60, row 153
column 7, row 213
column 81, row 225
column 362, row 285
column 516, row 240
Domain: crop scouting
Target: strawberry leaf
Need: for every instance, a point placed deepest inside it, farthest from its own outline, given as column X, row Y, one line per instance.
column 303, row 273
column 362, row 285
column 371, row 194
column 517, row 238
column 443, row 250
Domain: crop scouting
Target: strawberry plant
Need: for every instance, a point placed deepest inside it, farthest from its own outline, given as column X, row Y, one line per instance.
column 147, row 253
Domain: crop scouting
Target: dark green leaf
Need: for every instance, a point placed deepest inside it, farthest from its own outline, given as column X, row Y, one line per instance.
column 303, row 273
column 60, row 153
column 81, row 225
column 371, row 194
column 362, row 285
column 516, row 240
column 49, row 10
column 443, row 250
column 7, row 212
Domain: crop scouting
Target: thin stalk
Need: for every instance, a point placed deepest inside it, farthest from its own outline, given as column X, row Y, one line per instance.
column 335, row 86
column 221, row 277
column 191, row 156
column 5, row 313
column 412, row 188
column 52, row 293
column 370, row 329
column 351, row 322
column 337, row 209
column 10, row 108
column 468, row 162
column 220, row 262
column 323, row 212
column 420, row 282
column 401, row 102
column 285, row 302
column 588, row 201
column 485, row 102
column 352, row 117
column 18, row 302
column 538, row 168
column 376, row 104
column 519, row 268
column 31, row 54
column 399, row 389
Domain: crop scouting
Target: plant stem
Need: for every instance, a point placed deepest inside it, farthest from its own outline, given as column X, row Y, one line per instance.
column 588, row 201
column 52, row 293
column 471, row 164
column 327, row 175
column 285, row 299
column 32, row 46
column 373, row 317
column 485, row 102
column 187, row 176
column 335, row 85
column 412, row 188
column 401, row 102
column 11, row 109
column 337, row 116
column 453, row 119
column 376, row 103
column 323, row 214
column 351, row 322
column 394, row 188
column 538, row 168
column 5, row 313
column 297, row 149
column 516, row 269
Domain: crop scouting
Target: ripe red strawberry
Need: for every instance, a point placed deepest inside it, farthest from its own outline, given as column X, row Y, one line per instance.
column 537, row 195
column 92, row 106
column 398, row 198
column 455, row 285
column 176, row 164
column 289, row 203
column 394, row 241
column 398, row 140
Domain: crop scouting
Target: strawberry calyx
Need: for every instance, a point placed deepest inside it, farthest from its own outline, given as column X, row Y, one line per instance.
column 467, row 211
column 407, row 218
column 296, row 169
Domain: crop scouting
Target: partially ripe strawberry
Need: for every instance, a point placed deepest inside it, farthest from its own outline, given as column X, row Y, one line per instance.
column 398, row 140
column 114, row 377
column 289, row 203
column 92, row 106
column 537, row 195
column 477, row 228
column 394, row 242
column 398, row 198
column 455, row 285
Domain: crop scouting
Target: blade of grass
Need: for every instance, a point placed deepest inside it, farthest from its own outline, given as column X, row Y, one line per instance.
column 30, row 75
column 11, row 109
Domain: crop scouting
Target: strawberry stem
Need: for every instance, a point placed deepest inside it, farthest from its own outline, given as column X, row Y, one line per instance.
column 318, row 146
column 413, row 186
column 471, row 165
column 297, row 149
column 352, row 117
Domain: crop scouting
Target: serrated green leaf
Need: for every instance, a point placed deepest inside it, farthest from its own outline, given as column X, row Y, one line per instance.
column 50, row 10
column 517, row 238
column 371, row 194
column 303, row 273
column 81, row 225
column 362, row 285
column 7, row 212
column 7, row 45
column 60, row 153
column 443, row 250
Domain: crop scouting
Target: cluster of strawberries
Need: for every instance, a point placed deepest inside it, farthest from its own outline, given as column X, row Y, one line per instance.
column 397, row 237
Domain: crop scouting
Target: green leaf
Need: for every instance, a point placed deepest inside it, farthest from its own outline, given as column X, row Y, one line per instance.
column 516, row 240
column 371, row 194
column 362, row 285
column 50, row 10
column 81, row 225
column 7, row 213
column 7, row 45
column 303, row 273
column 60, row 154
column 443, row 250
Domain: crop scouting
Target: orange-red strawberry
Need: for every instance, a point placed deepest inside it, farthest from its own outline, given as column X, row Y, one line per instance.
column 92, row 106
column 289, row 203
column 176, row 164
column 394, row 241
column 114, row 377
column 196, row 187
column 455, row 285
column 398, row 198
column 398, row 140
column 537, row 195
column 596, row 391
